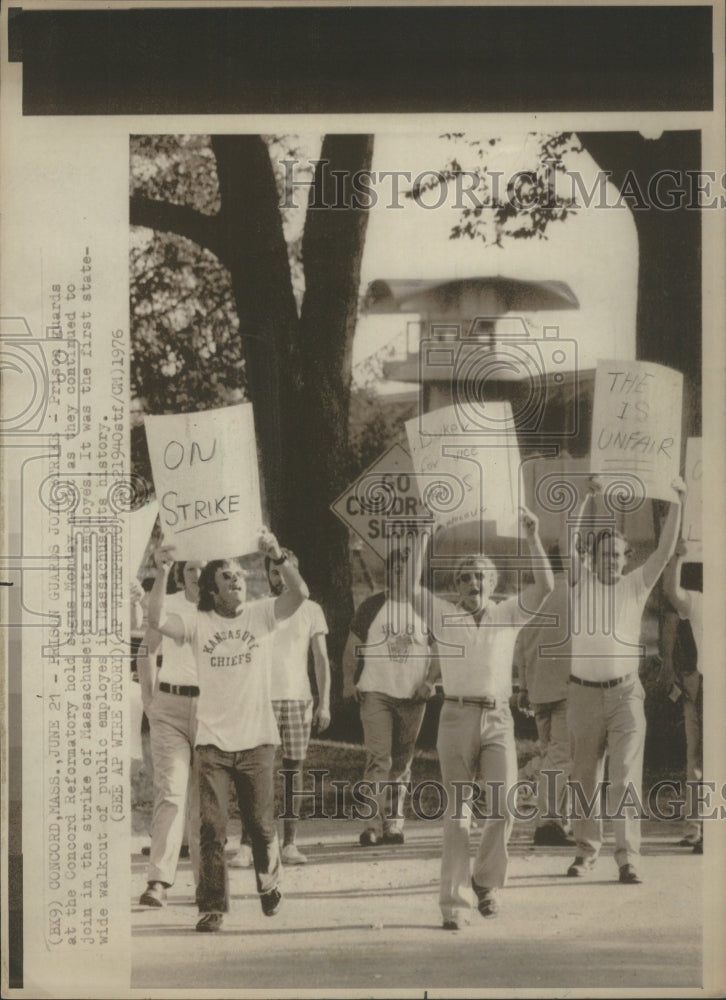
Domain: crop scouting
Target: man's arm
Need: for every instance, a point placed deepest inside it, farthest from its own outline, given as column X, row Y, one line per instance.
column 679, row 598
column 433, row 674
column 544, row 582
column 296, row 590
column 146, row 667
column 171, row 626
column 350, row 664
column 656, row 562
column 580, row 554
column 321, row 719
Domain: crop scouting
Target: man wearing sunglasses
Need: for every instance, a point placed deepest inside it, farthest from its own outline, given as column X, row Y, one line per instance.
column 475, row 643
column 236, row 728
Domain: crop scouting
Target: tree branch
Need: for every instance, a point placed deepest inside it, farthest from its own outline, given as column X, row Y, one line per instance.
column 180, row 219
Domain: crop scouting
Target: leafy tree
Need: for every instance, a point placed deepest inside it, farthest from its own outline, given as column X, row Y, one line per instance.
column 290, row 353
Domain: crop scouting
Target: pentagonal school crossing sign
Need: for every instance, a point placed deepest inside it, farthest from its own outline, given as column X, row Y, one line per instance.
column 383, row 499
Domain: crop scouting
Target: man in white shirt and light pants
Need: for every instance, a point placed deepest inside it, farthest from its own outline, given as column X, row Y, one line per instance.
column 605, row 709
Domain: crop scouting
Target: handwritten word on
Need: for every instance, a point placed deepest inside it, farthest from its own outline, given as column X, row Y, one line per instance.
column 207, row 481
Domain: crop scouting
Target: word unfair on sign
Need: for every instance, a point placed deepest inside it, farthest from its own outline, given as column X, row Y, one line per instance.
column 636, row 424
column 206, row 480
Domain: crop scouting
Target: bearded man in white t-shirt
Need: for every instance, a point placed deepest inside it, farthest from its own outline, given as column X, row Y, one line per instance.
column 236, row 729
column 385, row 663
column 292, row 700
column 605, row 711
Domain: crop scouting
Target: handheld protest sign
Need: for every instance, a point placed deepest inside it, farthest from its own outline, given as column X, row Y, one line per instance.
column 636, row 425
column 472, row 476
column 691, row 530
column 207, row 481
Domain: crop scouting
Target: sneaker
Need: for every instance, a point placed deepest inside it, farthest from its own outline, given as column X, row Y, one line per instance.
column 243, row 857
column 155, row 895
column 629, row 876
column 209, row 922
column 291, row 855
column 369, row 838
column 392, row 837
column 581, row 867
column 551, row 836
column 270, row 902
column 487, row 902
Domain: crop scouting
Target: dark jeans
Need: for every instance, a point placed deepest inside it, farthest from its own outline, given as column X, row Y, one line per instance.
column 251, row 773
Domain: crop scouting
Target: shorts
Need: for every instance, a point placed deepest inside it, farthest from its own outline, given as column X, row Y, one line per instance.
column 294, row 719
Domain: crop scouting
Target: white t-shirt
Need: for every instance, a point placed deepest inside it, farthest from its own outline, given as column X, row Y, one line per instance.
column 234, row 710
column 606, row 625
column 476, row 659
column 289, row 646
column 178, row 665
column 396, row 654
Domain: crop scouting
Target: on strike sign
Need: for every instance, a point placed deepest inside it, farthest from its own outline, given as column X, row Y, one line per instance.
column 206, row 480
column 636, row 424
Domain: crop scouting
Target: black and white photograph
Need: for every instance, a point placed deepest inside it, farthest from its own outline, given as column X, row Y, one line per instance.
column 362, row 444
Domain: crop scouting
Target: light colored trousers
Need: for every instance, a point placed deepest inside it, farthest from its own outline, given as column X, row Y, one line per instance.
column 390, row 728
column 554, row 739
column 173, row 722
column 474, row 744
column 612, row 720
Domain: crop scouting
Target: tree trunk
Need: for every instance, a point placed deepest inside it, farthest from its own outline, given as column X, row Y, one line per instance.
column 252, row 246
column 668, row 323
column 332, row 251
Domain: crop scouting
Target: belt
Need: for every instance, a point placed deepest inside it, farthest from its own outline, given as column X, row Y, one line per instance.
column 600, row 684
column 188, row 690
column 481, row 702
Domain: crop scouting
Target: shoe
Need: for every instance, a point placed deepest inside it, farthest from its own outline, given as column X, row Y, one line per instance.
column 581, row 867
column 291, row 855
column 369, row 838
column 393, row 837
column 698, row 847
column 450, row 925
column 629, row 876
column 146, row 851
column 209, row 922
column 243, row 857
column 551, row 836
column 487, row 901
column 155, row 895
column 270, row 902
column 183, row 852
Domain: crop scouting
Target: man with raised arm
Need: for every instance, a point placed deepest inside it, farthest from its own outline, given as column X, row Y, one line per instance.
column 236, row 728
column 605, row 702
column 475, row 641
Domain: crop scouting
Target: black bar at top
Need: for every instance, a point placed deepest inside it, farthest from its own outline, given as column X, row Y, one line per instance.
column 363, row 59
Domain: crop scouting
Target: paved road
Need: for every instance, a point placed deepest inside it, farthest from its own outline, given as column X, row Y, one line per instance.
column 367, row 920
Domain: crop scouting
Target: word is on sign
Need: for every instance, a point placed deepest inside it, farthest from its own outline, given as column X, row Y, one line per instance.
column 636, row 425
column 383, row 499
column 206, row 480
